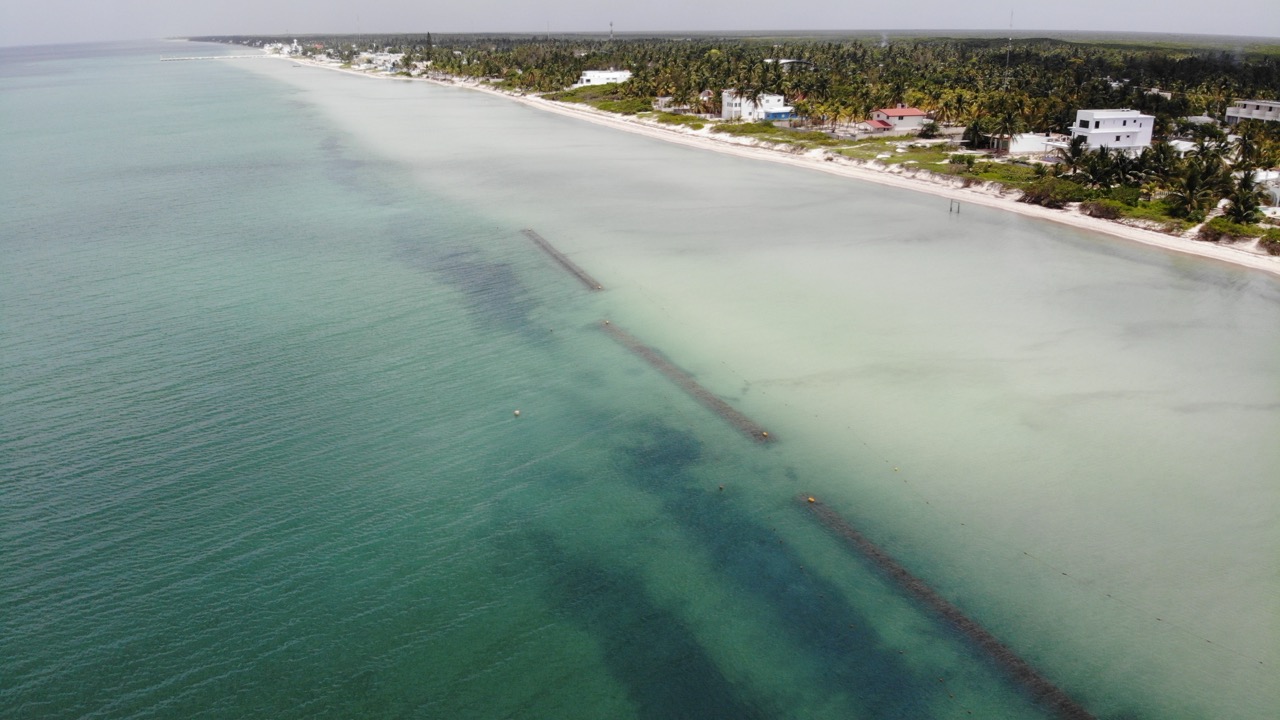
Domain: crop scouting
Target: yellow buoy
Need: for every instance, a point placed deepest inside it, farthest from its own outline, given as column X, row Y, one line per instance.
column 811, row 499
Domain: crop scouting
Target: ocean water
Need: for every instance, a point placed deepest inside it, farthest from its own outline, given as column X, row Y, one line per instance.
column 263, row 330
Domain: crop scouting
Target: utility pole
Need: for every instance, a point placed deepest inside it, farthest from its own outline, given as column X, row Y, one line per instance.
column 1008, row 52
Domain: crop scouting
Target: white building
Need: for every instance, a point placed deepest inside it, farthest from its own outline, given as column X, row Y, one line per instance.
column 1033, row 143
column 1125, row 130
column 769, row 107
column 902, row 117
column 1253, row 110
column 602, row 77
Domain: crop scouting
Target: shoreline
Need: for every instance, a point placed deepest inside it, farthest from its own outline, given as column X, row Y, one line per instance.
column 822, row 161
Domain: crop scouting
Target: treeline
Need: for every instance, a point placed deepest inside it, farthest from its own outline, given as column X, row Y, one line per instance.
column 1027, row 85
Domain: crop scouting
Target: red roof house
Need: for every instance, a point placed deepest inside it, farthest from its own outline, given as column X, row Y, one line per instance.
column 901, row 117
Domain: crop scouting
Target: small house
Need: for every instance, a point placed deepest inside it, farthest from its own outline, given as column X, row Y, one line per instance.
column 602, row 77
column 902, row 117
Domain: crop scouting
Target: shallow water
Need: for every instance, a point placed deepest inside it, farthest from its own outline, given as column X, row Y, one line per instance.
column 265, row 327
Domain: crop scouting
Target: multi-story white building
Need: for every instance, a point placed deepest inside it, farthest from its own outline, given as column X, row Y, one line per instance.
column 1125, row 130
column 1253, row 110
column 769, row 107
column 602, row 77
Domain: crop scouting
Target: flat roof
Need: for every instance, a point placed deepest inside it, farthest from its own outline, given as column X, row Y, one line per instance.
column 1116, row 112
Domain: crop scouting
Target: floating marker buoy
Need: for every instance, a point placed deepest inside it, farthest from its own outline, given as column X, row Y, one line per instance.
column 811, row 499
column 517, row 413
column 764, row 434
column 606, row 322
column 721, row 487
column 895, row 469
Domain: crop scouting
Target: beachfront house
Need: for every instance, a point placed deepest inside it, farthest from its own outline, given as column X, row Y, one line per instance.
column 902, row 117
column 1128, row 131
column 1027, row 143
column 602, row 77
column 764, row 107
column 1253, row 110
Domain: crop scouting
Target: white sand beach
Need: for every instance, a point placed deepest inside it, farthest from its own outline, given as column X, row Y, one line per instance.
column 1243, row 254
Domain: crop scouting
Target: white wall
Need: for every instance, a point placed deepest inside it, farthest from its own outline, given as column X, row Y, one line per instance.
column 602, row 77
column 733, row 107
column 1127, row 130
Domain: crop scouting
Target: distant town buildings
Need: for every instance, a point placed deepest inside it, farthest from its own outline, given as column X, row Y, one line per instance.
column 602, row 77
column 1128, row 131
column 283, row 49
column 900, row 118
column 1253, row 110
column 765, row 107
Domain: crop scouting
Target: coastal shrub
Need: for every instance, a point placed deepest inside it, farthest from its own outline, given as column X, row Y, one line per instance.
column 1053, row 193
column 689, row 121
column 1128, row 195
column 629, row 106
column 1105, row 209
column 1222, row 230
column 1270, row 241
column 1017, row 176
column 746, row 128
column 765, row 130
column 588, row 93
column 930, row 130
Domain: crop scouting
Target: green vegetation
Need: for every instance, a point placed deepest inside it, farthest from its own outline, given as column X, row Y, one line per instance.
column 974, row 81
column 1053, row 192
column 1223, row 229
column 610, row 97
column 689, row 121
column 1270, row 241
column 934, row 157
column 767, row 131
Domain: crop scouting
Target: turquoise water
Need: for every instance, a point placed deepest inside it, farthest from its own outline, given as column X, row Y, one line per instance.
column 263, row 331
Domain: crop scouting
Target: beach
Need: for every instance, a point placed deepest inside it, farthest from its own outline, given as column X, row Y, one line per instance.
column 1245, row 254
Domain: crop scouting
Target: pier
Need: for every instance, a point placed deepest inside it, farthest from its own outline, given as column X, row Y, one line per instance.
column 686, row 382
column 1020, row 671
column 591, row 283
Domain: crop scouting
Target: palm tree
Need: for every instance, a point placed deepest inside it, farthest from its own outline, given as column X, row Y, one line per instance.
column 1073, row 156
column 1245, row 198
column 1194, row 193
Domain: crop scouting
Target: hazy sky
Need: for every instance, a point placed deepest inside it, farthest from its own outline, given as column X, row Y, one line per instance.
column 27, row 22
